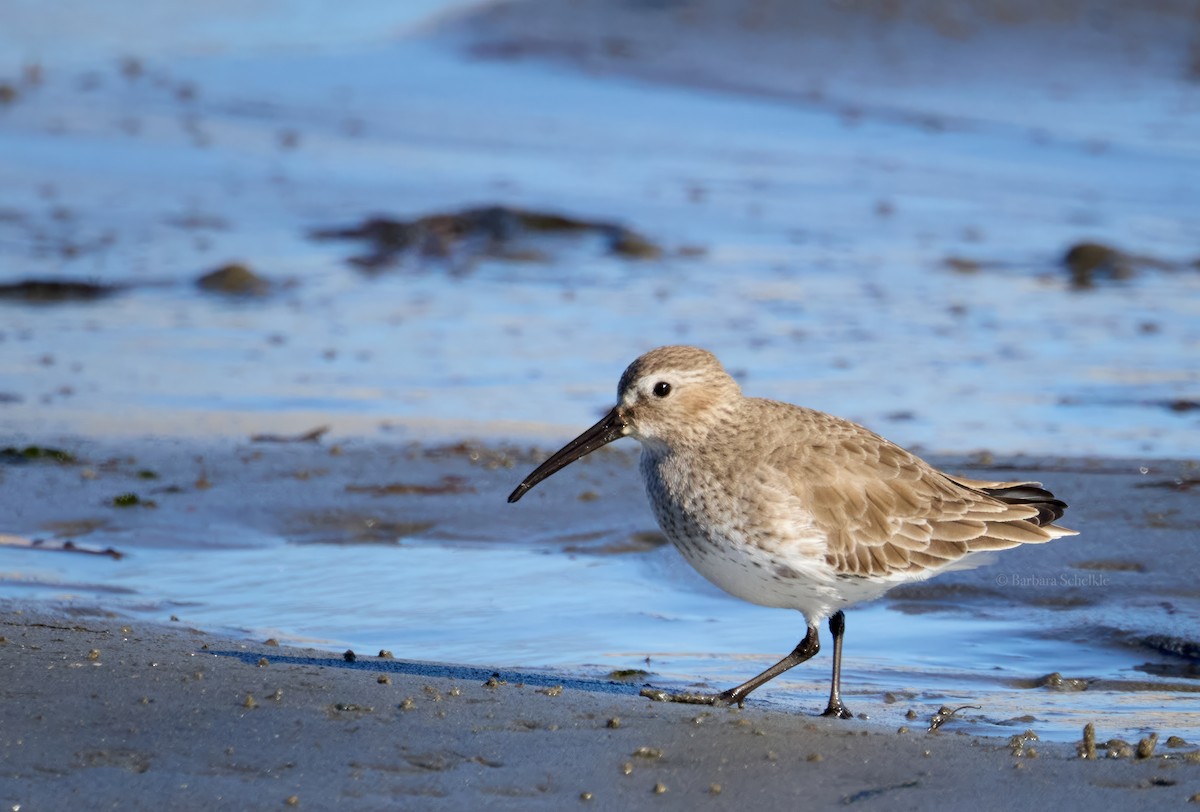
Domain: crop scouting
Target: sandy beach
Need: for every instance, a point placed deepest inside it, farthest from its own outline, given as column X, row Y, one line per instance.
column 101, row 713
column 105, row 713
column 106, row 707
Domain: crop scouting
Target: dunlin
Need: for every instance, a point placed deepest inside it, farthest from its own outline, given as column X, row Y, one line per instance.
column 789, row 507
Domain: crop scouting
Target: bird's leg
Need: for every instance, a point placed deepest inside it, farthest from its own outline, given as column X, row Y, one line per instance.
column 805, row 650
column 837, row 627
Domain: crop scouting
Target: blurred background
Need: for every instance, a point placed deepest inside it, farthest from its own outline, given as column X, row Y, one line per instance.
column 972, row 226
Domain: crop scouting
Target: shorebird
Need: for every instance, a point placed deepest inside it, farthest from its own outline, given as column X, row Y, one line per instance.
column 790, row 507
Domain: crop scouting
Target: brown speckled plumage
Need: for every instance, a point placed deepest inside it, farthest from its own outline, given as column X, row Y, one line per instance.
column 790, row 507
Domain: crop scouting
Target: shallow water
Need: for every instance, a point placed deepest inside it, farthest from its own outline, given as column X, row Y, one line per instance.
column 294, row 542
column 590, row 615
column 808, row 250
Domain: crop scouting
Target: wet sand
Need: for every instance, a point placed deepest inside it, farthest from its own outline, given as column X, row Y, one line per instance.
column 99, row 712
column 105, row 708
column 933, row 65
column 834, row 208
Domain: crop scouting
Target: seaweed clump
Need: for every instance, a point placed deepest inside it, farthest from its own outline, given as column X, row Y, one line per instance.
column 496, row 232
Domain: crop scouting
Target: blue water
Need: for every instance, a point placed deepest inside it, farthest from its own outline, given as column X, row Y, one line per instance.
column 535, row 608
column 803, row 287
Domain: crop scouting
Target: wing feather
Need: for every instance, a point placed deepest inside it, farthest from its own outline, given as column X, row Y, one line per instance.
column 886, row 512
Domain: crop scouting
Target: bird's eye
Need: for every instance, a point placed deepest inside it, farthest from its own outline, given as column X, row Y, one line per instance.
column 662, row 389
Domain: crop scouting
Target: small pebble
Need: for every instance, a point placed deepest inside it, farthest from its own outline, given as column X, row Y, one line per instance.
column 911, row 715
column 1118, row 748
column 384, row 654
column 627, row 768
column 585, row 796
column 553, row 690
column 271, row 641
column 94, row 654
column 384, row 679
column 234, row 279
column 647, row 752
column 263, row 662
column 277, row 695
column 292, row 800
column 349, row 656
column 902, row 729
column 613, row 723
column 407, row 704
column 714, row 789
column 352, row 707
column 1145, row 748
column 814, row 757
column 249, row 702
column 660, row 788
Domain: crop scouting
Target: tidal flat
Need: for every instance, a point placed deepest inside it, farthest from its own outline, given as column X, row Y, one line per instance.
column 291, row 301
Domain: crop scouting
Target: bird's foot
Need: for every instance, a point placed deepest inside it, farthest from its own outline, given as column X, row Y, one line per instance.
column 839, row 710
column 686, row 698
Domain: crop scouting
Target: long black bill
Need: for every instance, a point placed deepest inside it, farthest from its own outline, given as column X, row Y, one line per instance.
column 611, row 427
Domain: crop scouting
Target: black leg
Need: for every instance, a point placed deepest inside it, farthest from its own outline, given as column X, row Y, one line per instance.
column 804, row 650
column 837, row 627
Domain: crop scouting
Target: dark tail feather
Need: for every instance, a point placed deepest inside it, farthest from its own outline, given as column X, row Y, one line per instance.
column 1049, row 509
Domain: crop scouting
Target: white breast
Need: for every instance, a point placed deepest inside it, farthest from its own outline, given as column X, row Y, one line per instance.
column 756, row 543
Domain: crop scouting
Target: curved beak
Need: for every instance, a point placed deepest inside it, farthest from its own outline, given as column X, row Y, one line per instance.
column 611, row 427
